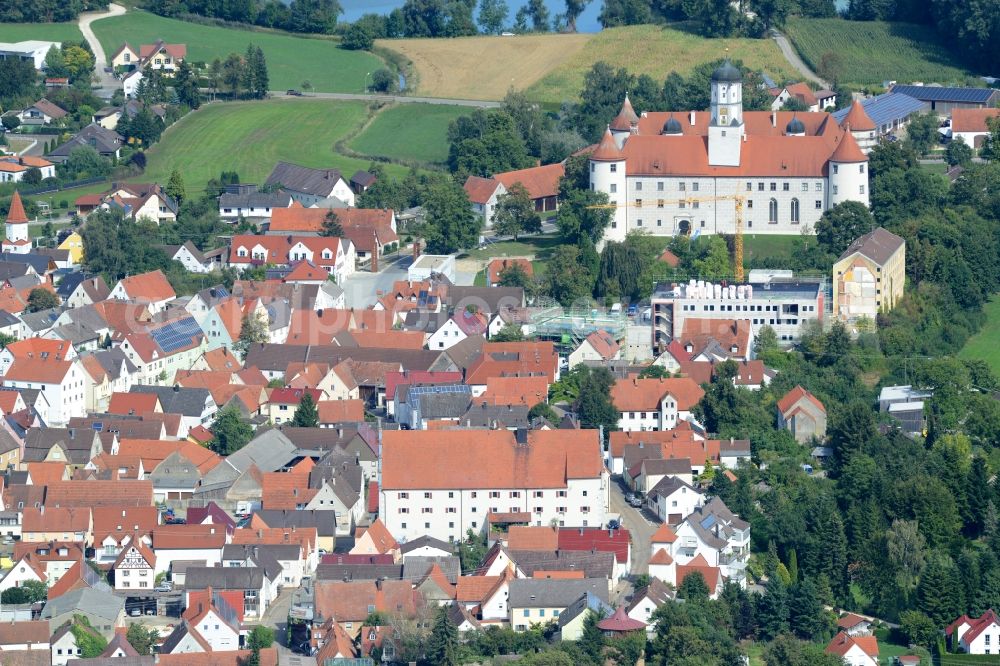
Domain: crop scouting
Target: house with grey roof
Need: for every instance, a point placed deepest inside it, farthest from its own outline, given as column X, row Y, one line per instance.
column 107, row 143
column 593, row 564
column 572, row 619
column 425, row 546
column 719, row 536
column 310, row 186
column 325, row 523
column 417, row 404
column 673, row 498
column 534, row 601
column 238, row 478
column 103, row 610
column 247, row 202
column 195, row 405
column 485, row 415
column 252, row 581
column 75, row 446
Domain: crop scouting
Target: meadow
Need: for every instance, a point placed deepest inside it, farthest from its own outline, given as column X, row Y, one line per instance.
column 250, row 137
column 983, row 345
column 871, row 52
column 49, row 32
column 409, row 132
column 290, row 60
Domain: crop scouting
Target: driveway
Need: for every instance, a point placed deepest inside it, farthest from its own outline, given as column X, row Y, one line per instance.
column 108, row 83
column 792, row 56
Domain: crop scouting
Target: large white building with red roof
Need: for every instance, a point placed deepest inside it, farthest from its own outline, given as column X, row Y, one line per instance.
column 685, row 173
column 976, row 635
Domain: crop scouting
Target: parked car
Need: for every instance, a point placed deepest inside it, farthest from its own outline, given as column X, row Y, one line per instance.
column 294, row 93
column 636, row 501
column 613, row 524
column 165, row 586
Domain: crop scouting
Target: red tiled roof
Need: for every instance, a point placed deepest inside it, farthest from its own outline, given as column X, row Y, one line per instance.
column 173, row 50
column 206, row 537
column 700, row 564
column 149, row 287
column 857, row 118
column 16, row 212
column 380, row 536
column 851, row 620
column 443, row 459
column 118, row 522
column 55, row 519
column 842, row 644
column 268, row 657
column 794, row 396
column 100, row 493
column 803, row 92
column 540, row 181
column 133, row 403
column 290, row 396
column 298, row 219
column 281, row 490
column 510, row 359
column 669, row 258
column 979, row 625
column 607, row 150
column 525, row 537
column 350, row 601
column 637, row 395
column 528, row 391
column 604, row 344
column 847, row 150
column 626, row 118
column 728, row 333
column 620, row 622
column 596, row 538
column 303, row 536
column 44, row 473
column 665, row 534
column 373, row 496
column 154, row 451
column 480, row 189
column 341, row 411
column 661, row 556
column 498, row 266
column 972, row 120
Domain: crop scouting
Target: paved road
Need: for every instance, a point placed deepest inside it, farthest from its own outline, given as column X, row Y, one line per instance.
column 638, row 524
column 794, row 60
column 400, row 99
column 108, row 82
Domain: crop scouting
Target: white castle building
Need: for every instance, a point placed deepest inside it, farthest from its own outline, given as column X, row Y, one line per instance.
column 683, row 173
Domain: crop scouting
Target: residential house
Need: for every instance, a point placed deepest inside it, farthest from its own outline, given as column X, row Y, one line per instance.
column 323, row 522
column 89, row 291
column 719, row 536
column 536, row 601
column 869, row 277
column 195, row 405
column 496, row 267
column 335, row 256
column 55, row 523
column 541, row 182
column 814, row 100
column 52, row 366
column 194, row 260
column 107, row 143
column 484, row 194
column 149, row 289
column 973, row 635
column 545, row 476
column 855, row 625
column 282, row 403
column 246, row 202
column 599, row 346
column 854, row 650
column 352, row 602
column 802, row 414
column 573, row 618
column 27, row 635
column 943, row 99
column 673, row 498
column 102, row 609
column 13, row 168
column 972, row 125
column 251, row 581
column 458, row 327
column 646, row 600
column 654, row 404
column 42, row 112
column 368, row 230
column 158, row 55
column 311, row 186
column 63, row 445
column 198, row 543
column 135, row 568
column 115, row 526
column 162, row 351
column 64, row 643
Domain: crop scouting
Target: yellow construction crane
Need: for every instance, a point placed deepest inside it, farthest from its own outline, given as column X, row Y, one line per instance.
column 738, row 200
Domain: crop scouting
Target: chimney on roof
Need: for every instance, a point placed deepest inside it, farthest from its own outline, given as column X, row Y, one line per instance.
column 691, row 116
column 774, row 119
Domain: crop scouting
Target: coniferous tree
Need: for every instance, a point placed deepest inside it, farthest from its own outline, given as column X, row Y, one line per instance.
column 806, row 614
column 592, row 639
column 307, row 414
column 939, row 594
column 260, row 78
column 442, row 644
column 977, row 492
column 772, row 610
column 332, row 228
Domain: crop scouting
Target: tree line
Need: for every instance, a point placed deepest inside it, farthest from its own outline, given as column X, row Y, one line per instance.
column 47, row 11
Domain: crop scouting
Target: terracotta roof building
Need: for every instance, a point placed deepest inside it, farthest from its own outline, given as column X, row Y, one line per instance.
column 682, row 172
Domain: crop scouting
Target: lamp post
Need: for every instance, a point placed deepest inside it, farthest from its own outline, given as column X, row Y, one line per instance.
column 365, row 89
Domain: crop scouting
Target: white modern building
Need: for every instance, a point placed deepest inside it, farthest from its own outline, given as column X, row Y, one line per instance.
column 686, row 173
column 34, row 50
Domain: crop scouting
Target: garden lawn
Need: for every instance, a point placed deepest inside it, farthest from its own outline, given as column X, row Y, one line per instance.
column 250, row 137
column 290, row 60
column 766, row 246
column 983, row 345
column 46, row 32
column 872, row 52
column 415, row 132
column 656, row 51
column 539, row 247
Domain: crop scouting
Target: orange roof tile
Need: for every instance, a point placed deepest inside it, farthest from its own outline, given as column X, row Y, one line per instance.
column 972, row 120
column 443, row 459
column 857, row 118
column 341, row 411
column 607, row 150
column 842, row 644
column 847, row 150
column 626, row 118
column 476, row 588
column 528, row 391
column 133, row 403
column 540, row 181
column 664, row 534
column 711, row 574
column 522, row 537
column 604, row 344
column 661, row 556
column 303, row 536
column 55, row 519
column 480, row 190
column 498, row 266
column 189, row 537
column 634, row 395
column 16, row 212
column 311, row 219
column 100, row 493
column 149, row 287
column 381, row 538
column 281, row 490
column 44, row 473
column 121, row 521
column 221, row 359
column 796, row 394
column 268, row 657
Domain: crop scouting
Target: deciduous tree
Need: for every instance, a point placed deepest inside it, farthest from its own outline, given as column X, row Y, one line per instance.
column 515, row 214
column 230, row 432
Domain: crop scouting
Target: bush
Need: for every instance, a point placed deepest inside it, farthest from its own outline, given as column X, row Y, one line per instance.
column 63, row 203
column 383, row 81
column 358, row 38
column 10, row 121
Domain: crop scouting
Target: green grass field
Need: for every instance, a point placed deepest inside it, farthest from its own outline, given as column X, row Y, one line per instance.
column 540, row 247
column 765, row 246
column 49, row 32
column 417, row 132
column 872, row 51
column 250, row 137
column 290, row 60
column 983, row 345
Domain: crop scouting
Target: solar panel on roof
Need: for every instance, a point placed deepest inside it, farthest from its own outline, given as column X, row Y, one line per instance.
column 708, row 521
column 97, row 425
column 175, row 335
column 943, row 94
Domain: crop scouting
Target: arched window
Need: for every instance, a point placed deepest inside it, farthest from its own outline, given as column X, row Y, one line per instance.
column 772, row 211
column 795, row 210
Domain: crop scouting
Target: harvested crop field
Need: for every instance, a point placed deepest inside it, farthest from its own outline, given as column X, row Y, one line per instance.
column 485, row 67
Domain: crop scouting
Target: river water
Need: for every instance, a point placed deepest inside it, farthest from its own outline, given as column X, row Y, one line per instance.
column 586, row 23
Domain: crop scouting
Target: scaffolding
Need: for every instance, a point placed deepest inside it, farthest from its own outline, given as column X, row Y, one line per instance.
column 567, row 327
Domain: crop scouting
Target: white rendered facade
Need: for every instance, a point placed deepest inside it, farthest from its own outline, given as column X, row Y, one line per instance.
column 449, row 514
column 693, row 186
